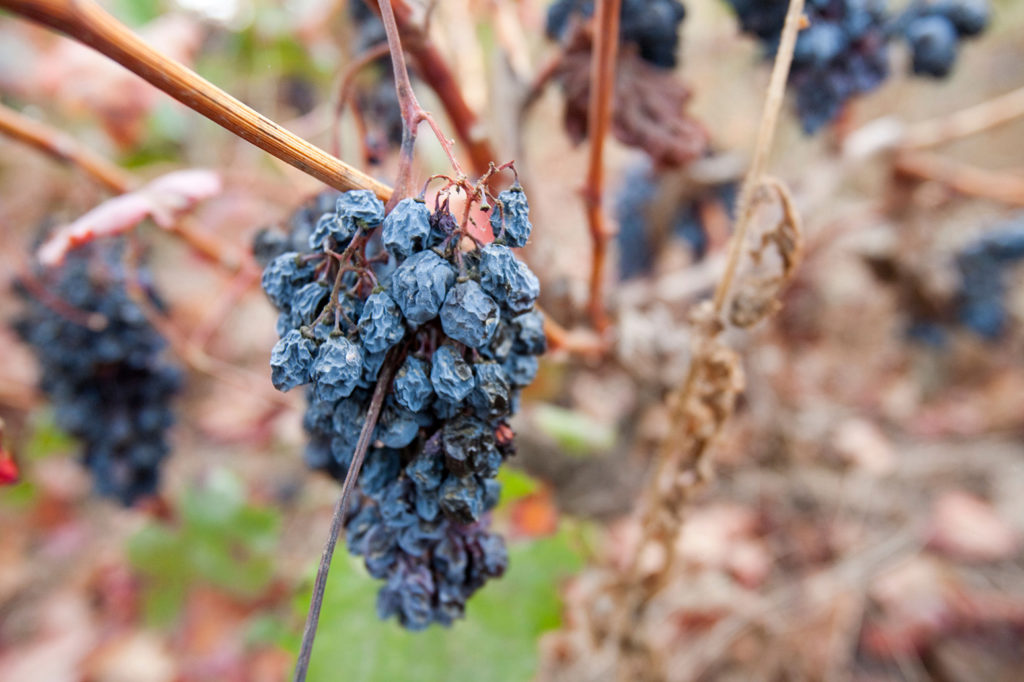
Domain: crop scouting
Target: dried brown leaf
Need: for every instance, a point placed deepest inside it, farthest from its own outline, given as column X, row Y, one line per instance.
column 649, row 105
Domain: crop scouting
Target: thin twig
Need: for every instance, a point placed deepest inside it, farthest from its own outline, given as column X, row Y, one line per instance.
column 65, row 148
column 338, row 519
column 762, row 150
column 744, row 212
column 961, row 177
column 344, row 90
column 583, row 342
column 60, row 146
column 88, row 23
column 602, row 86
column 970, row 121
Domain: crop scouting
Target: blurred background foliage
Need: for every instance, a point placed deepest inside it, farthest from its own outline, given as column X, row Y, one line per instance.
column 850, row 430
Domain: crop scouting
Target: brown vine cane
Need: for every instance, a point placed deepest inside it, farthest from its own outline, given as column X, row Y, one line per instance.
column 88, row 23
column 599, row 113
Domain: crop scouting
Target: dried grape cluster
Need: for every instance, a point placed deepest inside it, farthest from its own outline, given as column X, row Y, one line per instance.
column 358, row 291
column 103, row 367
column 651, row 26
column 844, row 50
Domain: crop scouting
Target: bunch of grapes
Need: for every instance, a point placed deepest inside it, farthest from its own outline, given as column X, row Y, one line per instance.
column 844, row 51
column 366, row 294
column 103, row 367
column 981, row 297
column 841, row 54
column 933, row 30
column 634, row 239
column 639, row 239
column 650, row 26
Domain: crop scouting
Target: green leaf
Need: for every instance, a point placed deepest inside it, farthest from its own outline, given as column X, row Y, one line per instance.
column 160, row 552
column 20, row 495
column 516, row 484
column 216, row 504
column 496, row 642
column 234, row 571
column 161, row 606
column 137, row 12
column 221, row 541
column 47, row 440
column 574, row 431
column 257, row 529
column 265, row 629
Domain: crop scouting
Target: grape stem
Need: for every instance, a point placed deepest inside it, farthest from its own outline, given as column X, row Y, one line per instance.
column 412, row 113
column 599, row 110
column 432, row 68
column 387, row 370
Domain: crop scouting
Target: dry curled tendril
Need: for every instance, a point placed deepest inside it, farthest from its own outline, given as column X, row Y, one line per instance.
column 758, row 289
column 698, row 410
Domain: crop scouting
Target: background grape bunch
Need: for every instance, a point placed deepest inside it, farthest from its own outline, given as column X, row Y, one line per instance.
column 103, row 366
column 460, row 331
column 844, row 52
column 981, row 265
column 651, row 27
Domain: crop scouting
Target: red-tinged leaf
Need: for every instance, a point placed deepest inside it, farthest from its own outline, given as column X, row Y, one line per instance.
column 163, row 200
column 8, row 468
column 112, row 217
column 179, row 191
